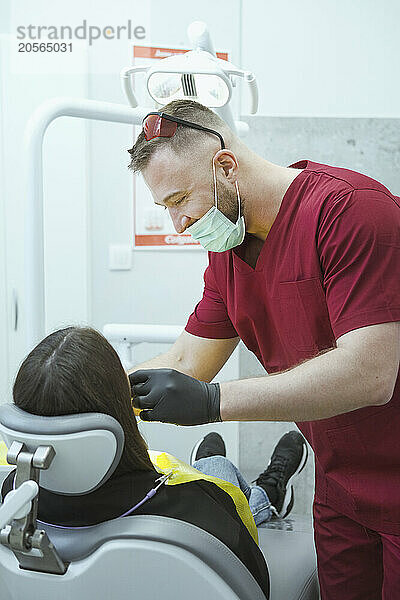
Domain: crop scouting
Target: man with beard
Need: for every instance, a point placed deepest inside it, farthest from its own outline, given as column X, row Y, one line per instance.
column 304, row 268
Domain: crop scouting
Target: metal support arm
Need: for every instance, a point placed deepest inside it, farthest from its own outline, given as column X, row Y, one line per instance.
column 37, row 126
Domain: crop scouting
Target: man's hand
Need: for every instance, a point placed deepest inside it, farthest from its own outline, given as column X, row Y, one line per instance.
column 171, row 397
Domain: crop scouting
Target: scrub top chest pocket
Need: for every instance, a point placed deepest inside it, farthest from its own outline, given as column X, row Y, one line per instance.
column 304, row 314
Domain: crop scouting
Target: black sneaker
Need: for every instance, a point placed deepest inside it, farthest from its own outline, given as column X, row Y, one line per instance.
column 210, row 445
column 288, row 459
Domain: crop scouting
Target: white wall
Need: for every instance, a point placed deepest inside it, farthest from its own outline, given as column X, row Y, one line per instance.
column 4, row 323
column 65, row 197
column 4, row 319
column 322, row 58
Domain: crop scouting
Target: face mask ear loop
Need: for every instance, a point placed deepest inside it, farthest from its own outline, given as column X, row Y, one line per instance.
column 238, row 197
column 215, row 183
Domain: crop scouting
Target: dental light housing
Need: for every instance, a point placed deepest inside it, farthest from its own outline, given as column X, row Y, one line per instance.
column 195, row 75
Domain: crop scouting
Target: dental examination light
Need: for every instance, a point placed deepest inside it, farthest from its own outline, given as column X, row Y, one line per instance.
column 194, row 75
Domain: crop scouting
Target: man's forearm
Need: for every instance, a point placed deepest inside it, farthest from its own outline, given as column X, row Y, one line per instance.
column 167, row 360
column 329, row 384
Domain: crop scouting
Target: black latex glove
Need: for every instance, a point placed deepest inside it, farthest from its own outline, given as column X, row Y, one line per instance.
column 174, row 397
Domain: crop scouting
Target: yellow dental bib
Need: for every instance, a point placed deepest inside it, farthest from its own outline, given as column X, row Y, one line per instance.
column 183, row 473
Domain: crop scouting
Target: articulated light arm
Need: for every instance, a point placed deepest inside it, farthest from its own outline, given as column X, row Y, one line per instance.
column 124, row 337
column 37, row 126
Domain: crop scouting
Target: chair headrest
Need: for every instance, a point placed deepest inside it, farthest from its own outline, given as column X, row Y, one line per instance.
column 88, row 446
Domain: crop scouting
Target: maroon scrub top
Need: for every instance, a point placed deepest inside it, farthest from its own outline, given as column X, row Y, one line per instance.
column 330, row 264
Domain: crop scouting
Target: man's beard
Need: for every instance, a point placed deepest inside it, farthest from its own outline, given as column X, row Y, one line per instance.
column 228, row 201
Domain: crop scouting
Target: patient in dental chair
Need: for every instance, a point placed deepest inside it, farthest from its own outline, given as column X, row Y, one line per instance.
column 75, row 370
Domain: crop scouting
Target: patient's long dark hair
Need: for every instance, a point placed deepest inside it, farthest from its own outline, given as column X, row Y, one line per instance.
column 76, row 370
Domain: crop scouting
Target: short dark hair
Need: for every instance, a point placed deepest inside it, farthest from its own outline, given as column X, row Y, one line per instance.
column 188, row 110
column 76, row 370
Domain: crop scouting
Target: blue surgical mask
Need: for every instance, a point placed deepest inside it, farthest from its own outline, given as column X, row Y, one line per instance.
column 214, row 230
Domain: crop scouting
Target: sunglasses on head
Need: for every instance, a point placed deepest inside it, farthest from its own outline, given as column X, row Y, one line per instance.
column 157, row 124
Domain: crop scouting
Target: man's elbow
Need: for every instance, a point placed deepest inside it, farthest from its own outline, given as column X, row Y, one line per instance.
column 383, row 391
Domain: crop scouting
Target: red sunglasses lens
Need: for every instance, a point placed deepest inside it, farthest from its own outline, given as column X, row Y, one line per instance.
column 155, row 126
